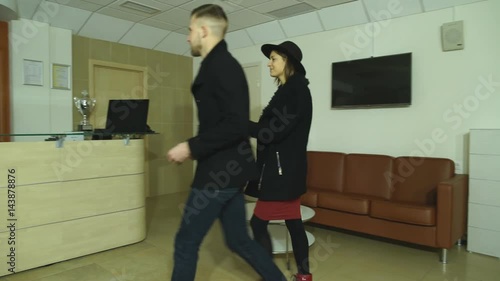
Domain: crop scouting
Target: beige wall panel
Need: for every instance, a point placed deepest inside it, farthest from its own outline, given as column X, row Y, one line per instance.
column 51, row 243
column 56, row 202
column 3, row 210
column 35, row 162
column 252, row 73
column 92, row 159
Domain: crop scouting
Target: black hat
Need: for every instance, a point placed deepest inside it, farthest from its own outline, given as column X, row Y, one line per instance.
column 290, row 49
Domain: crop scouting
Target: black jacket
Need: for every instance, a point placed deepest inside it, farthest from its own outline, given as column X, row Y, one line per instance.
column 282, row 134
column 222, row 146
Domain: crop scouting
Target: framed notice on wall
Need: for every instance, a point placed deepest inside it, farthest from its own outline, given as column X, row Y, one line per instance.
column 32, row 72
column 61, row 76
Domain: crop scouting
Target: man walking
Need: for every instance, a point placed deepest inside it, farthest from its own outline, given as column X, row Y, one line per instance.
column 222, row 149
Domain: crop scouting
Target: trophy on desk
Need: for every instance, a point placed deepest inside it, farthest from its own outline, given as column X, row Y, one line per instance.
column 85, row 106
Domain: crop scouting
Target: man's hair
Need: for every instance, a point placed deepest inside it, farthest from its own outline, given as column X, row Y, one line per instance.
column 216, row 14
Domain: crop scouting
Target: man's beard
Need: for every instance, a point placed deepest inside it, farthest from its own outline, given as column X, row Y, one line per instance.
column 196, row 51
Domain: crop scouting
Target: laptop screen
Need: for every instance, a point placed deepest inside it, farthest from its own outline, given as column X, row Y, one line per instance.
column 127, row 116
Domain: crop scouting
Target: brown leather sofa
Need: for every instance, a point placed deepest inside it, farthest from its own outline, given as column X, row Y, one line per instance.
column 416, row 200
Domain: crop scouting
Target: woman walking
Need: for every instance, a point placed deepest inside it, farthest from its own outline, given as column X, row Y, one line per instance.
column 282, row 134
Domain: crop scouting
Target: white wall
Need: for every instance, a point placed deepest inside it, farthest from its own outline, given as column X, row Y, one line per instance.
column 38, row 109
column 449, row 95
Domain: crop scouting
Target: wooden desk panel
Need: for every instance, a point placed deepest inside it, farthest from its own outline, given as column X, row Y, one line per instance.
column 91, row 159
column 34, row 162
column 61, row 201
column 82, row 198
column 75, row 238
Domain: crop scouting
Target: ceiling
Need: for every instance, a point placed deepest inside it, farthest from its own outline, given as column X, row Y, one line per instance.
column 163, row 24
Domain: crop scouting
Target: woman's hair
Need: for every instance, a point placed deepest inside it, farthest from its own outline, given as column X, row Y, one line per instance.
column 289, row 67
column 215, row 14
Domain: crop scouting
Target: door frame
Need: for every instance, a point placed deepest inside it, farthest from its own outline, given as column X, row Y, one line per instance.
column 5, row 83
column 259, row 74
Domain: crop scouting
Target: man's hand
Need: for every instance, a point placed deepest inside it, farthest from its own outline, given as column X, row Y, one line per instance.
column 179, row 153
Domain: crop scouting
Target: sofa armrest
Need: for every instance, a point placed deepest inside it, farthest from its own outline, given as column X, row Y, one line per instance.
column 451, row 221
column 310, row 198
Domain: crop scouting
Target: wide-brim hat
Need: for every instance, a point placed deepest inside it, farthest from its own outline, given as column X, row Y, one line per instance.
column 290, row 49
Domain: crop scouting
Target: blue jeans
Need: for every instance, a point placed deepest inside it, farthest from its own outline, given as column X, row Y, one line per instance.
column 202, row 208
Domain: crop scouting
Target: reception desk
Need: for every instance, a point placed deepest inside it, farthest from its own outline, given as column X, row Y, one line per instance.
column 66, row 200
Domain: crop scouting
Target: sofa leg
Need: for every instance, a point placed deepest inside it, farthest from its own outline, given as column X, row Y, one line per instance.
column 443, row 257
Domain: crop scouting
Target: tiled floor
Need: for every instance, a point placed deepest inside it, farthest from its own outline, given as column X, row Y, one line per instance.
column 335, row 256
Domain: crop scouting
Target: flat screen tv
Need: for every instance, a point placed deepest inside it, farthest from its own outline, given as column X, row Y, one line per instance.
column 372, row 82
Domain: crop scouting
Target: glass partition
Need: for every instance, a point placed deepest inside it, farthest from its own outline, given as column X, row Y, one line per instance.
column 59, row 138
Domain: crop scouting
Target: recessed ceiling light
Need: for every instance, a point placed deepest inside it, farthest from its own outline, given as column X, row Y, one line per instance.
column 140, row 7
column 291, row 11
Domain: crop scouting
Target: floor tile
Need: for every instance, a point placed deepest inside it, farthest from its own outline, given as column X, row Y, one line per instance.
column 336, row 255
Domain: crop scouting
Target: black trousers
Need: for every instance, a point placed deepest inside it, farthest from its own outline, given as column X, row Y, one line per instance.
column 297, row 234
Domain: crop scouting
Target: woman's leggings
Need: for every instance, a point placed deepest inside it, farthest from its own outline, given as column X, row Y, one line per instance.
column 297, row 234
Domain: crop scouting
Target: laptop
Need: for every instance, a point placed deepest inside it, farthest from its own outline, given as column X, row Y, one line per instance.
column 127, row 116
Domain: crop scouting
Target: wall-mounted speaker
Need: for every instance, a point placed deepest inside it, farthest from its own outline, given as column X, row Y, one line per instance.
column 452, row 36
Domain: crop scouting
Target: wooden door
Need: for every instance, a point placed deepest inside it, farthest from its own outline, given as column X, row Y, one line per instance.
column 252, row 73
column 4, row 82
column 114, row 81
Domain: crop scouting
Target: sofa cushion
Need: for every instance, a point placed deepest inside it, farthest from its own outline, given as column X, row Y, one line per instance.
column 367, row 174
column 310, row 198
column 415, row 179
column 344, row 202
column 325, row 170
column 406, row 213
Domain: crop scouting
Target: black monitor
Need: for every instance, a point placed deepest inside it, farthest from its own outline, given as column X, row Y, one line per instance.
column 378, row 81
column 127, row 116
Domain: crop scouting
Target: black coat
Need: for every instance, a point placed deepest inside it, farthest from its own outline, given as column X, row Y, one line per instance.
column 282, row 134
column 222, row 146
